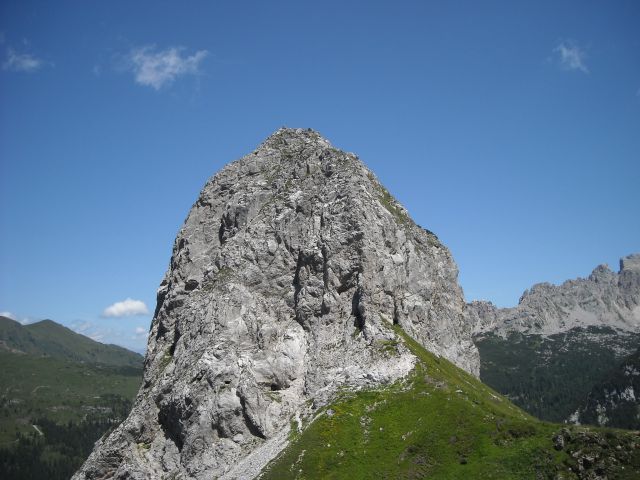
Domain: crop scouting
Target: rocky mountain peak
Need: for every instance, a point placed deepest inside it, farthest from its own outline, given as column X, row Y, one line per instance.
column 603, row 274
column 296, row 150
column 284, row 285
column 294, row 137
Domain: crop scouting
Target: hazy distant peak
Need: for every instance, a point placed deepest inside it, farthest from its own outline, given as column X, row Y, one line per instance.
column 630, row 263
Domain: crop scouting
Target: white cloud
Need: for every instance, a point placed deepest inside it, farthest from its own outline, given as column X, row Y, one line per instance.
column 571, row 56
column 158, row 69
column 21, row 62
column 118, row 333
column 97, row 332
column 23, row 320
column 126, row 308
column 80, row 327
column 140, row 334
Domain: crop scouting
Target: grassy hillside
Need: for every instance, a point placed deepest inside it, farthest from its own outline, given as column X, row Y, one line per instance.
column 48, row 338
column 442, row 423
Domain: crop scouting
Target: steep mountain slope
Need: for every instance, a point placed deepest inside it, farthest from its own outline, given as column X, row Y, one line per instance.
column 615, row 401
column 284, row 280
column 48, row 338
column 547, row 353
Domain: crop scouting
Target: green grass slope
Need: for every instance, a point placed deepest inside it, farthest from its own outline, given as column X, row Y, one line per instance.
column 48, row 338
column 442, row 423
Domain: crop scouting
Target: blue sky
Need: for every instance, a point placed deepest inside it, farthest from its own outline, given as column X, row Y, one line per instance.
column 510, row 129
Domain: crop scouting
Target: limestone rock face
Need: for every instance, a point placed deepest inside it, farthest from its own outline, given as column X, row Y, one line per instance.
column 604, row 298
column 284, row 283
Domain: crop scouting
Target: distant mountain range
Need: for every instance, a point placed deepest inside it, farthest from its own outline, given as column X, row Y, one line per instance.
column 59, row 392
column 604, row 298
column 562, row 353
column 50, row 339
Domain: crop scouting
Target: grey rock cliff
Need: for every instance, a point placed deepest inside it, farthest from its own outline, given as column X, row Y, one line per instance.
column 283, row 285
column 604, row 298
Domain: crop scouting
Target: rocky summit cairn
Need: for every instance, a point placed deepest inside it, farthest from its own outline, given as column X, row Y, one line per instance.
column 284, row 285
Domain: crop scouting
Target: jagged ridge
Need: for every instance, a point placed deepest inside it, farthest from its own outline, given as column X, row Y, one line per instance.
column 604, row 298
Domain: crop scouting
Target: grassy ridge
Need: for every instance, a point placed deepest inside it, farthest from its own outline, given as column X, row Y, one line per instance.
column 48, row 338
column 440, row 423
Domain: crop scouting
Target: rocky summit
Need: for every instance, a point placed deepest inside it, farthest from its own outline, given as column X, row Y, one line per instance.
column 287, row 283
